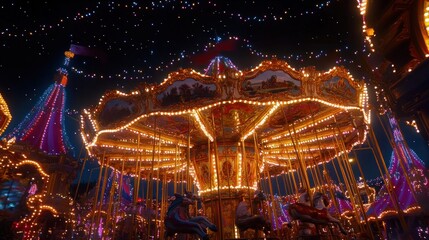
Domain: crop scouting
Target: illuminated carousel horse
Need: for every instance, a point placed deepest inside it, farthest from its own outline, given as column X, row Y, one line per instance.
column 178, row 220
column 244, row 219
column 317, row 215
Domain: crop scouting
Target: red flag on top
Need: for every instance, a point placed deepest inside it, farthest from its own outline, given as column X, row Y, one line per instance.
column 220, row 47
column 88, row 52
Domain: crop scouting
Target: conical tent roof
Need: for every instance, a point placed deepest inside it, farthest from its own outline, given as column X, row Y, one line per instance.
column 405, row 169
column 43, row 127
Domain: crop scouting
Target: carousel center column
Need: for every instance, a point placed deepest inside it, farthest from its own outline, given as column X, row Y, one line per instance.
column 224, row 175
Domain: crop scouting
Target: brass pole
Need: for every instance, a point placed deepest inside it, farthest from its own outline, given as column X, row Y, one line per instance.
column 137, row 177
column 157, row 184
column 103, row 189
column 218, row 179
column 149, row 197
column 80, row 177
column 188, row 157
column 292, row 175
column 109, row 204
column 121, row 181
column 255, row 142
column 209, row 156
column 164, row 194
column 366, row 189
column 346, row 178
column 97, row 189
column 246, row 171
column 272, row 209
column 388, row 184
column 175, row 170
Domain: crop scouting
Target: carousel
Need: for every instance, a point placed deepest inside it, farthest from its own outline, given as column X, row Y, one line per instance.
column 217, row 134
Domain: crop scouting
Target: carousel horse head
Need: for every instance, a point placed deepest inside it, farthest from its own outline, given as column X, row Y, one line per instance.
column 178, row 204
column 178, row 220
column 246, row 220
column 320, row 200
column 260, row 196
column 317, row 214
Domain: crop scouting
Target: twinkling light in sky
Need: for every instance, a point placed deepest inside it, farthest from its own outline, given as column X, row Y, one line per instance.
column 145, row 40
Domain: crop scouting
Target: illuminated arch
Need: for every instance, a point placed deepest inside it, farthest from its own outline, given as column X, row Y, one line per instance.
column 34, row 163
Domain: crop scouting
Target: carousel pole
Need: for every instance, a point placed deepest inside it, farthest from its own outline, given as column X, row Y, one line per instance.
column 325, row 171
column 157, row 183
column 164, row 192
column 278, row 185
column 89, row 180
column 255, row 143
column 331, row 192
column 338, row 176
column 218, row 179
column 317, row 183
column 137, row 177
column 292, row 175
column 137, row 180
column 103, row 189
column 121, row 181
column 182, row 180
column 109, row 204
column 300, row 161
column 175, row 171
column 318, row 173
column 243, row 157
column 354, row 184
column 365, row 217
column 346, row 178
column 287, row 183
column 188, row 157
column 97, row 189
column 388, row 184
column 149, row 196
column 209, row 156
column 272, row 209
column 80, row 176
column 356, row 194
column 356, row 190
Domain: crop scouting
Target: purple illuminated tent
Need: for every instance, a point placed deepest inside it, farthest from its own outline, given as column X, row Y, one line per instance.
column 408, row 199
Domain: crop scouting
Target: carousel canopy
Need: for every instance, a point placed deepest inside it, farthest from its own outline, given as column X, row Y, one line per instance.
column 284, row 114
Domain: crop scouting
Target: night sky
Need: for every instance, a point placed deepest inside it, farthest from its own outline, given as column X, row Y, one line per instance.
column 142, row 41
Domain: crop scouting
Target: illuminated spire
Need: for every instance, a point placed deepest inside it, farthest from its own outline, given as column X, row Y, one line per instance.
column 408, row 178
column 219, row 65
column 43, row 127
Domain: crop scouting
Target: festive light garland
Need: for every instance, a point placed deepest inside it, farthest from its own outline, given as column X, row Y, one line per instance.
column 5, row 116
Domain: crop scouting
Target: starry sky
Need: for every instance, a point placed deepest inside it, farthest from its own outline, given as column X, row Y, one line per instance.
column 142, row 41
column 139, row 41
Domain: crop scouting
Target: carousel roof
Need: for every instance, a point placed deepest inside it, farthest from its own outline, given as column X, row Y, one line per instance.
column 5, row 116
column 288, row 114
column 43, row 128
